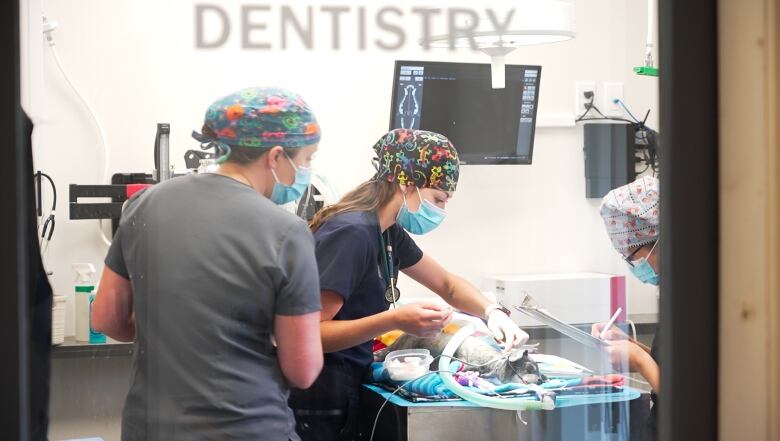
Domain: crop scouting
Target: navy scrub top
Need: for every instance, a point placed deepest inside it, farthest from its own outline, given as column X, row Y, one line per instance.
column 651, row 429
column 349, row 257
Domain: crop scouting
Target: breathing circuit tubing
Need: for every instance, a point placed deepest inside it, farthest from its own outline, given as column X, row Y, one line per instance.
column 546, row 402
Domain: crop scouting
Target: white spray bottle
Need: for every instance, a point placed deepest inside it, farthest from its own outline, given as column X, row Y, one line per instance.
column 85, row 295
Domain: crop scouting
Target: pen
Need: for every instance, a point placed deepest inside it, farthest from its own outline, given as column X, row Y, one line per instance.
column 610, row 323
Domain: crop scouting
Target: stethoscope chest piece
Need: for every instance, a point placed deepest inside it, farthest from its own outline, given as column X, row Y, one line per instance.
column 392, row 293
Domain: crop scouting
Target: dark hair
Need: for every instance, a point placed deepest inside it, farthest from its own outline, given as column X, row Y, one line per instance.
column 368, row 196
column 245, row 155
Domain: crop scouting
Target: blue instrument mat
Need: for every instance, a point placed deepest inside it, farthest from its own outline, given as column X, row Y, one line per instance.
column 627, row 394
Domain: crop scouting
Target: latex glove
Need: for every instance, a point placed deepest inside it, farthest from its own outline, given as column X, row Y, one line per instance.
column 505, row 330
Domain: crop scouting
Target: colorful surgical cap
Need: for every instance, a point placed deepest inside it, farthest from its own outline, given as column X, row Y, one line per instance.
column 260, row 117
column 417, row 157
column 630, row 213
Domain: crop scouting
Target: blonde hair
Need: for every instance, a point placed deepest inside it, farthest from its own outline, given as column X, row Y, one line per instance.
column 368, row 196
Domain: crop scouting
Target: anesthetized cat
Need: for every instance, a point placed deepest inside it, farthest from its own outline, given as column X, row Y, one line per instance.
column 480, row 355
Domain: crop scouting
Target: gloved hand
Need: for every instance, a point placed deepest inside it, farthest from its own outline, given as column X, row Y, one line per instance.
column 505, row 330
column 614, row 333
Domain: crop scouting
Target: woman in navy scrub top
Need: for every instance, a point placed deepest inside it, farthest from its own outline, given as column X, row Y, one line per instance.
column 362, row 242
column 631, row 216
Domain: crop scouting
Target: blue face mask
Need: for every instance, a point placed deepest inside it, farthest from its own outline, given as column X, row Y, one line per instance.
column 282, row 194
column 643, row 270
column 422, row 221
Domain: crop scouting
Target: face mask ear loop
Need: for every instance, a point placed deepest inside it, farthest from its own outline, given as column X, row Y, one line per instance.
column 403, row 194
column 419, row 195
column 295, row 167
column 273, row 172
column 276, row 178
column 652, row 249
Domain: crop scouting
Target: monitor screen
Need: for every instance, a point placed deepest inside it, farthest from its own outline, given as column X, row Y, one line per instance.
column 486, row 125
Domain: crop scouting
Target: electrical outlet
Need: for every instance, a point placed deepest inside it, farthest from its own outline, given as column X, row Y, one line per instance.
column 612, row 92
column 581, row 87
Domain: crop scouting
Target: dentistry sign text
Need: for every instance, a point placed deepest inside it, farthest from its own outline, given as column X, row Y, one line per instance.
column 334, row 27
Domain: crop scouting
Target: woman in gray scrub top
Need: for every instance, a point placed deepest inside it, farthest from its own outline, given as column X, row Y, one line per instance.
column 217, row 285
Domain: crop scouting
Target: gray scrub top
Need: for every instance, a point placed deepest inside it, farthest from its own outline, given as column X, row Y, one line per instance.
column 211, row 262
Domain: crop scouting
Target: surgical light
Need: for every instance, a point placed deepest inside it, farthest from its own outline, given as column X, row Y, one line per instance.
column 499, row 32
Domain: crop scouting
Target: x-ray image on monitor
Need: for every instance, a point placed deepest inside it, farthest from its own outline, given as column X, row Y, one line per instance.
column 486, row 125
column 409, row 96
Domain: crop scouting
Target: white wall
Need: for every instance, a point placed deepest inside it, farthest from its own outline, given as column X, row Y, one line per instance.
column 136, row 63
column 31, row 61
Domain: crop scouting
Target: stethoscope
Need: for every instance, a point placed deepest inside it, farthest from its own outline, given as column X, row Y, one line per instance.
column 392, row 294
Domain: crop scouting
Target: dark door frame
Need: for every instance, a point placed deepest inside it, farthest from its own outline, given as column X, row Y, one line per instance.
column 690, row 308
column 689, row 214
column 14, row 381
